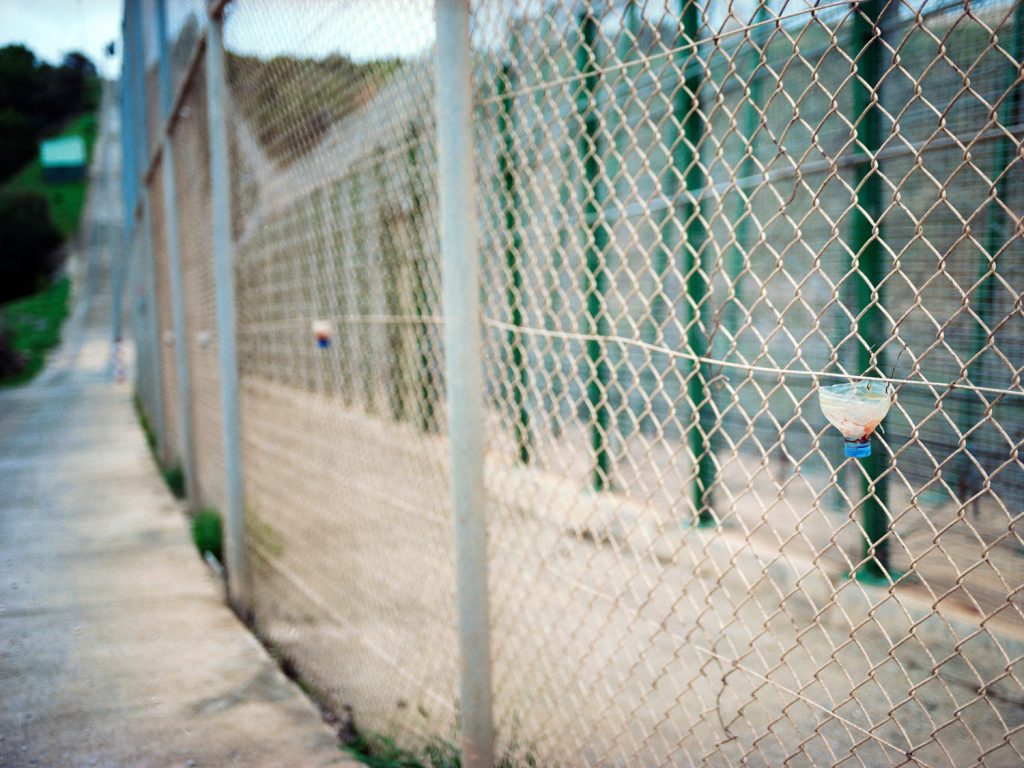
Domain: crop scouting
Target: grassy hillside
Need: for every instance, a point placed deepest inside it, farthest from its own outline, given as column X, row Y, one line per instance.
column 66, row 198
column 32, row 324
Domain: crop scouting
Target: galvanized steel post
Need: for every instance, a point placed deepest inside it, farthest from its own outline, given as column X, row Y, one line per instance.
column 464, row 369
column 119, row 254
column 224, row 278
column 137, row 75
column 174, row 258
column 129, row 169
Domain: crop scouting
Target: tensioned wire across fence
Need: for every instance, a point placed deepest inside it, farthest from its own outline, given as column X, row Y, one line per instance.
column 496, row 330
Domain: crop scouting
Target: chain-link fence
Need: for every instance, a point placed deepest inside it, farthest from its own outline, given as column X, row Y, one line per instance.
column 691, row 216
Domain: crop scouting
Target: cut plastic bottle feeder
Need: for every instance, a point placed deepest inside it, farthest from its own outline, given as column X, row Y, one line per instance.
column 322, row 333
column 856, row 409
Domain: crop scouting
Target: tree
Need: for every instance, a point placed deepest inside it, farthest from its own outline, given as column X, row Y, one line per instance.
column 77, row 61
column 35, row 97
column 43, row 93
column 19, row 79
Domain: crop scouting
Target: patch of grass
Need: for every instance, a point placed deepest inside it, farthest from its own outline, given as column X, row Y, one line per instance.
column 376, row 749
column 174, row 476
column 66, row 198
column 34, row 324
column 207, row 533
column 175, row 479
column 380, row 751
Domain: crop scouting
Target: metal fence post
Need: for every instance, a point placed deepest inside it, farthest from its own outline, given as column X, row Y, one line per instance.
column 356, row 198
column 686, row 166
column 518, row 380
column 745, row 209
column 389, row 248
column 137, row 78
column 174, row 258
column 421, row 305
column 129, row 170
column 121, row 257
column 996, row 237
column 464, row 364
column 866, row 244
column 224, row 278
column 617, row 116
column 555, row 353
column 594, row 190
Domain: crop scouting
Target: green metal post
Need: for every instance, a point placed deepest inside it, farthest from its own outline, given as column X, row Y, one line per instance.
column 627, row 38
column 391, row 258
column 659, row 307
column 686, row 211
column 617, row 163
column 421, row 304
column 518, row 381
column 594, row 189
column 866, row 244
column 338, row 255
column 996, row 236
column 751, row 121
column 553, row 275
column 362, row 289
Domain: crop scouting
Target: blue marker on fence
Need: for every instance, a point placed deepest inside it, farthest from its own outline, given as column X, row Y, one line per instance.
column 322, row 332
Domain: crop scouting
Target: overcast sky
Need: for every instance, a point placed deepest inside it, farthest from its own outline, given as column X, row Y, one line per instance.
column 52, row 28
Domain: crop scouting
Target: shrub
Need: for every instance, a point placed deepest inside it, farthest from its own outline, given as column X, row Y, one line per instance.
column 175, row 479
column 207, row 533
column 11, row 360
column 30, row 239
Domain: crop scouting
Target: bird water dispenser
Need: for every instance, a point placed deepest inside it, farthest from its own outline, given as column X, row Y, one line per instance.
column 856, row 409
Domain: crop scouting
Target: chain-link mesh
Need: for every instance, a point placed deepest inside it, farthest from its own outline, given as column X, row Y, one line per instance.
column 346, row 481
column 692, row 217
column 170, row 392
column 191, row 145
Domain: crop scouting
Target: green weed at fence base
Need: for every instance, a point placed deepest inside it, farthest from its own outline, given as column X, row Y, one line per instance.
column 207, row 533
column 175, row 479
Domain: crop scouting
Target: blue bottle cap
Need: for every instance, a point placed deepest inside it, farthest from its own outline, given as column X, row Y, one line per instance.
column 857, row 450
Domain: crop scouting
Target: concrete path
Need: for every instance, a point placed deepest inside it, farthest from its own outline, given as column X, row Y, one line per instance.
column 116, row 647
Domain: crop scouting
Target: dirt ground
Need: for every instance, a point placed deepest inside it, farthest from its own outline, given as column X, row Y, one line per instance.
column 620, row 636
